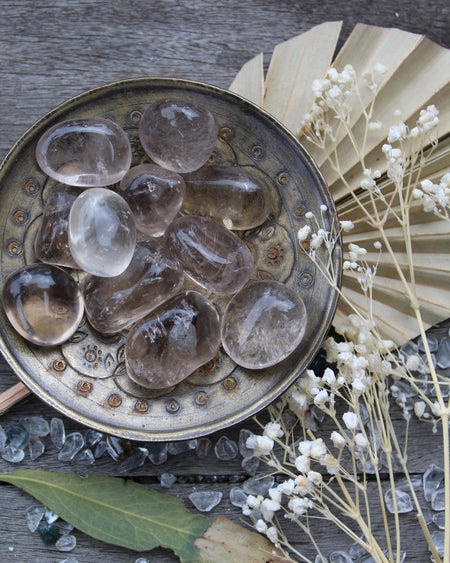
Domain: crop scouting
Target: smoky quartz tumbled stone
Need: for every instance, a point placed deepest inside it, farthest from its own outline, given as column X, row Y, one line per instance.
column 155, row 195
column 90, row 152
column 112, row 304
column 211, row 255
column 102, row 232
column 43, row 303
column 178, row 135
column 263, row 324
column 173, row 341
column 229, row 194
column 51, row 244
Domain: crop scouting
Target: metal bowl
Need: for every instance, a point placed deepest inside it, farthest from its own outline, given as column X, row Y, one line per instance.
column 85, row 378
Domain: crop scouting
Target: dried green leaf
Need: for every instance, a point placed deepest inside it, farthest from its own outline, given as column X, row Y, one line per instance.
column 116, row 511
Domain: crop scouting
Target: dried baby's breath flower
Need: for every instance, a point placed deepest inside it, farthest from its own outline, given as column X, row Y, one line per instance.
column 361, row 362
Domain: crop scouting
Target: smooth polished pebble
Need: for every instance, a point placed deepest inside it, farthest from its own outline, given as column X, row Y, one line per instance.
column 263, row 324
column 229, row 195
column 102, row 232
column 153, row 276
column 155, row 195
column 211, row 255
column 85, row 152
column 178, row 135
column 43, row 303
column 51, row 244
column 173, row 341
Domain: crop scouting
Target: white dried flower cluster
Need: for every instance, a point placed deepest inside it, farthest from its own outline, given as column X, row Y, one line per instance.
column 375, row 76
column 261, row 445
column 395, row 163
column 435, row 198
column 368, row 181
column 318, row 234
column 363, row 364
column 428, row 120
column 333, row 92
column 360, row 356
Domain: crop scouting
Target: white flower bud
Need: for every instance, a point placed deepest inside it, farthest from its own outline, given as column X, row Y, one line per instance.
column 347, row 226
column 338, row 440
column 260, row 526
column 272, row 534
column 302, row 464
column 419, row 408
column 303, row 233
column 361, row 441
column 273, row 430
column 350, row 420
column 315, row 477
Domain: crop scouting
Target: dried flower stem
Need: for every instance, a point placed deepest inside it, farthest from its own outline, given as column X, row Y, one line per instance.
column 363, row 359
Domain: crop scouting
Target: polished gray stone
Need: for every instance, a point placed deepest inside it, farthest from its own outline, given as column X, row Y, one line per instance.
column 230, row 195
column 155, row 196
column 211, row 255
column 112, row 304
column 102, row 232
column 85, row 152
column 177, row 135
column 263, row 324
column 173, row 341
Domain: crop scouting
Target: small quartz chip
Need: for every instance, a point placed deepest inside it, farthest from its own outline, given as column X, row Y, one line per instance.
column 174, row 340
column 155, row 196
column 211, row 255
column 102, row 232
column 85, row 152
column 263, row 324
column 234, row 197
column 43, row 303
column 112, row 304
column 177, row 135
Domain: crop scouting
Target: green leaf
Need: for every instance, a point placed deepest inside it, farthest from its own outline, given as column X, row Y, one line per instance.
column 116, row 511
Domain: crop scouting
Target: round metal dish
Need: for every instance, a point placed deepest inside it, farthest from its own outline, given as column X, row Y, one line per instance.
column 85, row 378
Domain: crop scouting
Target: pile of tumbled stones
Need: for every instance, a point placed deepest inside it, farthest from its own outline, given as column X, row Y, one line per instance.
column 175, row 216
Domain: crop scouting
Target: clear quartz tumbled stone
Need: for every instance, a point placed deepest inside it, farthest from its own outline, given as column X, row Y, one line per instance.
column 212, row 256
column 228, row 195
column 177, row 135
column 85, row 152
column 52, row 242
column 112, row 304
column 102, row 232
column 155, row 196
column 43, row 303
column 263, row 324
column 174, row 340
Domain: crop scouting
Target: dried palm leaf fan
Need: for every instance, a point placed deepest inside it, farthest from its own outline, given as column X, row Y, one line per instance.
column 418, row 76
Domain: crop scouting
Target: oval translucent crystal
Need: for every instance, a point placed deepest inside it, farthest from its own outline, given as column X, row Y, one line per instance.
column 112, row 304
column 52, row 240
column 177, row 135
column 43, row 304
column 102, row 233
column 85, row 152
column 229, row 195
column 263, row 324
column 155, row 196
column 214, row 257
column 173, row 341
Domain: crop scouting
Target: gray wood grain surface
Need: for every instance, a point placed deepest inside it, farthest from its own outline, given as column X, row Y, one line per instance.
column 50, row 51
